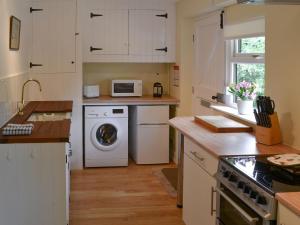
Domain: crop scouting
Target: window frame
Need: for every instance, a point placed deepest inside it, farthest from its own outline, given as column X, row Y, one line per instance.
column 234, row 57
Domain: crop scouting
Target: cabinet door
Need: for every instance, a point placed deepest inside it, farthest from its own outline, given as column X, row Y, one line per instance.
column 147, row 32
column 53, row 36
column 108, row 32
column 287, row 217
column 198, row 196
column 209, row 54
column 9, row 196
column 224, row 3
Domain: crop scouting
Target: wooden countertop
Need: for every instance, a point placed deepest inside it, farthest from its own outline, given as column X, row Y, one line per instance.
column 144, row 100
column 225, row 144
column 291, row 200
column 230, row 144
column 43, row 132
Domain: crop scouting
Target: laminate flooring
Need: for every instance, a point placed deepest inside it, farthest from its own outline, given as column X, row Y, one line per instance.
column 130, row 195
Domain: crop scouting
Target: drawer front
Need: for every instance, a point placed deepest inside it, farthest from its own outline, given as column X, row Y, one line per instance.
column 203, row 158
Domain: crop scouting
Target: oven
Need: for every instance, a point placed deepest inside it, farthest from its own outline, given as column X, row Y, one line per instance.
column 231, row 210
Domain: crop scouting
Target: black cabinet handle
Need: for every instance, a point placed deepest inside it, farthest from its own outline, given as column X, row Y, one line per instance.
column 95, row 49
column 92, row 15
column 163, row 15
column 162, row 49
column 72, row 62
column 33, row 65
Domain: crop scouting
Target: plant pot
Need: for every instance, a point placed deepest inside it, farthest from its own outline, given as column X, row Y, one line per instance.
column 245, row 107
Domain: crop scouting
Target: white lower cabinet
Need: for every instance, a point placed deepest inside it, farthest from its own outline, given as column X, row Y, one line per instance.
column 286, row 216
column 33, row 184
column 199, row 200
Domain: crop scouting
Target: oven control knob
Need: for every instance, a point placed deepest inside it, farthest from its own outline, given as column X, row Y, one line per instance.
column 253, row 194
column 241, row 185
column 261, row 200
column 226, row 173
column 233, row 178
column 247, row 189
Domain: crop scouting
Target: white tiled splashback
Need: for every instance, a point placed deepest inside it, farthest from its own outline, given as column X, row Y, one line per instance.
column 10, row 94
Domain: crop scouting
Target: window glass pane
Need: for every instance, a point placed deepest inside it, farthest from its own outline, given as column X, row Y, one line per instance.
column 251, row 73
column 251, row 45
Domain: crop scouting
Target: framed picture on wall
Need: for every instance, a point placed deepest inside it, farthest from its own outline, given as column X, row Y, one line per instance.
column 14, row 33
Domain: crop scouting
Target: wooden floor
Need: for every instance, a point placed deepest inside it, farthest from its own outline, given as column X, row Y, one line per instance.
column 121, row 196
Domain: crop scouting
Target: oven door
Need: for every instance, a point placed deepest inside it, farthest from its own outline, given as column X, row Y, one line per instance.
column 233, row 211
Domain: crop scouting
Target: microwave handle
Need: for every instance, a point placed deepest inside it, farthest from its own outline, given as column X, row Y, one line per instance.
column 249, row 219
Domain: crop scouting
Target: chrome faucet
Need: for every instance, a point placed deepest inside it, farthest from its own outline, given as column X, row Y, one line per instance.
column 22, row 103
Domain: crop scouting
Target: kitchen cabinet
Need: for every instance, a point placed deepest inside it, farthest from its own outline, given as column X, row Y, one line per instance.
column 136, row 31
column 286, row 216
column 199, row 200
column 53, row 36
column 224, row 3
column 148, row 32
column 34, row 184
column 209, row 60
column 108, row 32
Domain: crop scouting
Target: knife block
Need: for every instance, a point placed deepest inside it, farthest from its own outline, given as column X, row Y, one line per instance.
column 269, row 136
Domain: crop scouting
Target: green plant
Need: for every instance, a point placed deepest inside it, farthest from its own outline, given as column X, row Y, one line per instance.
column 243, row 90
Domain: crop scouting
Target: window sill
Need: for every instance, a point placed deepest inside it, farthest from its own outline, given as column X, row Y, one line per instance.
column 234, row 113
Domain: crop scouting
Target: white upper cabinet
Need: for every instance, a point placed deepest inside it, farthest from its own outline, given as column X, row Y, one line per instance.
column 128, row 31
column 148, row 32
column 53, row 36
column 224, row 3
column 108, row 33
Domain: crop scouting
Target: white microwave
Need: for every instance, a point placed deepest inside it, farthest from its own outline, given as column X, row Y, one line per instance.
column 126, row 88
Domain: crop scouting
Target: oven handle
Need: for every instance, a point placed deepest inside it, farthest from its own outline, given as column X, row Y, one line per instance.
column 250, row 219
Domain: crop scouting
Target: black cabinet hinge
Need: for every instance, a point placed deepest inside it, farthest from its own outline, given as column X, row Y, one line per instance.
column 222, row 19
column 163, row 15
column 193, row 38
column 165, row 49
column 95, row 49
column 34, row 65
column 92, row 15
column 35, row 10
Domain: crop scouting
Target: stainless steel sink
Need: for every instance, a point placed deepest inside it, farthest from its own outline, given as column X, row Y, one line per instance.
column 49, row 116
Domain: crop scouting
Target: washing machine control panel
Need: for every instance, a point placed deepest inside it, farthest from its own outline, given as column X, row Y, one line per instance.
column 106, row 111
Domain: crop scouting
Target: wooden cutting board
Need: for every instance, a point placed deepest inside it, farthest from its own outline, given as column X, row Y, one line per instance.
column 221, row 124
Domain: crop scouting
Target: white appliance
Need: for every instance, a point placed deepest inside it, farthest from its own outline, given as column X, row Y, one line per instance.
column 149, row 134
column 106, row 136
column 91, row 91
column 126, row 88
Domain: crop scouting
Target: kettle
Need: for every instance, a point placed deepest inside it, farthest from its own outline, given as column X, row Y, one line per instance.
column 157, row 89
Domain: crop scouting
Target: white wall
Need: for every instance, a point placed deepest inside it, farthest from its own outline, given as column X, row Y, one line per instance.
column 102, row 73
column 282, row 56
column 13, row 64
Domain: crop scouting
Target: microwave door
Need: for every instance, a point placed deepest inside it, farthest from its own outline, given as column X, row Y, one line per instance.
column 123, row 88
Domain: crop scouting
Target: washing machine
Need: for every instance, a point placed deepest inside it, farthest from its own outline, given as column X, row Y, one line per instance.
column 105, row 136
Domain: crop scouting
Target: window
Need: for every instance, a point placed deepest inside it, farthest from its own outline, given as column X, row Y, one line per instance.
column 246, row 61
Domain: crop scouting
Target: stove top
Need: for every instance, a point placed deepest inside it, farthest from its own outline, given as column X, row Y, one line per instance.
column 270, row 177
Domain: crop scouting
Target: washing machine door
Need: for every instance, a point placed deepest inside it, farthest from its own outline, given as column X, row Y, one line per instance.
column 106, row 136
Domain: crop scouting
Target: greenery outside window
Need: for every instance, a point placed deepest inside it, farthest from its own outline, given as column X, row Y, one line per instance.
column 246, row 61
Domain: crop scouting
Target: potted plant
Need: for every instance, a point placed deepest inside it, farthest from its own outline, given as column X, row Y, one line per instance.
column 245, row 93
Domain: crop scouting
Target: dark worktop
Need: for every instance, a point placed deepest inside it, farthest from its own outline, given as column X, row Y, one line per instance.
column 43, row 132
